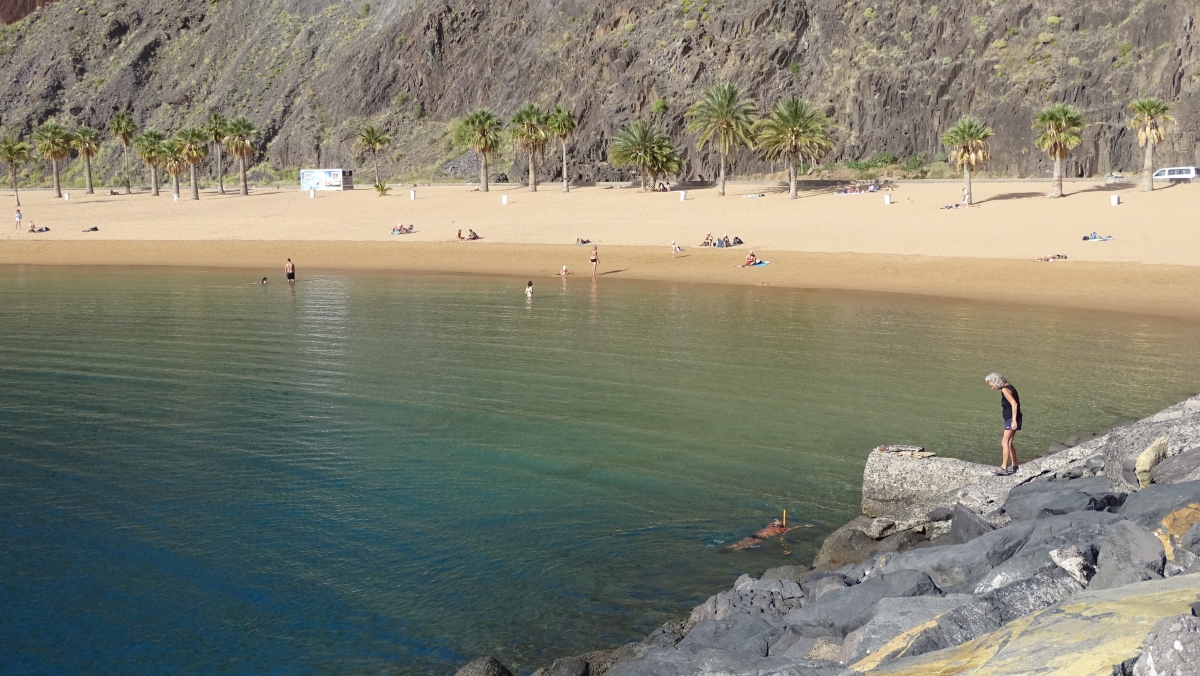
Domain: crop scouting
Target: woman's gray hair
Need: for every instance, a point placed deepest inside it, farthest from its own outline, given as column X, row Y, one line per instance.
column 996, row 379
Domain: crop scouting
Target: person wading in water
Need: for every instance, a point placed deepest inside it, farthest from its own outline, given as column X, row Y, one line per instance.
column 1010, row 409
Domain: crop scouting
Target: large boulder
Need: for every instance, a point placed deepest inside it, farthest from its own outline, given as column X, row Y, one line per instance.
column 1082, row 532
column 1172, row 648
column 1170, row 511
column 1179, row 423
column 483, row 666
column 748, row 634
column 1086, row 633
column 967, row 525
column 569, row 666
column 840, row 612
column 1177, row 468
column 957, row 568
column 1148, row 458
column 898, row 477
column 1052, row 498
column 894, row 616
column 771, row 597
column 1129, row 553
column 854, row 542
column 670, row 662
column 982, row 615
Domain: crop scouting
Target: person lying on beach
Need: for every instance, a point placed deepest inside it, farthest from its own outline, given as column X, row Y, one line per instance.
column 113, row 192
column 708, row 240
column 754, row 197
column 31, row 229
column 91, row 229
column 751, row 260
column 580, row 241
column 471, row 236
column 774, row 530
column 953, row 206
column 873, row 188
column 737, row 241
column 1051, row 257
column 1096, row 238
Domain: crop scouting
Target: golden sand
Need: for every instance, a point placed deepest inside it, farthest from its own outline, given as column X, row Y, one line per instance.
column 821, row 240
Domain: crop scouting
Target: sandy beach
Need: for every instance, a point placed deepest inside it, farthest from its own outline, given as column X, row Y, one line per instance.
column 822, row 240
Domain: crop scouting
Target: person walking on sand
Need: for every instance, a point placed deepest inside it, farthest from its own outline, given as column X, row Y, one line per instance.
column 1010, row 409
column 18, row 219
column 289, row 271
column 595, row 258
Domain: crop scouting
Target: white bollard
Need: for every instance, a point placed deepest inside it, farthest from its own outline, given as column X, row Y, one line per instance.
column 682, row 195
column 312, row 194
column 67, row 196
column 1115, row 200
column 412, row 194
column 504, row 199
column 887, row 199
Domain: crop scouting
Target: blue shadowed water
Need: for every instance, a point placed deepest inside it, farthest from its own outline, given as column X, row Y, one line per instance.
column 393, row 474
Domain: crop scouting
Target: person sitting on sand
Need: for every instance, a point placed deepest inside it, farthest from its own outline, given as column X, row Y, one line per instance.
column 708, row 240
column 751, row 261
column 113, row 192
column 873, row 188
column 471, row 236
column 725, row 239
column 737, row 241
column 563, row 272
column 953, row 206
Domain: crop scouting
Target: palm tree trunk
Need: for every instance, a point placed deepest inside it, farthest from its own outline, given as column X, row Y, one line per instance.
column 532, row 174
column 192, row 175
column 1056, row 191
column 566, row 183
column 128, row 189
column 175, row 186
column 87, row 163
column 483, row 172
column 643, row 175
column 154, row 182
column 16, row 193
column 375, row 159
column 242, row 165
column 968, row 197
column 792, row 181
column 1148, row 168
column 220, row 171
column 721, row 180
column 57, row 187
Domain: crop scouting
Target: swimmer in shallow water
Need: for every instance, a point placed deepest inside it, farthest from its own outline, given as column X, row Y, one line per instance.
column 774, row 530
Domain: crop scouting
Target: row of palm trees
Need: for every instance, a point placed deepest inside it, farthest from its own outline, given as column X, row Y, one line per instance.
column 1060, row 125
column 175, row 154
column 531, row 129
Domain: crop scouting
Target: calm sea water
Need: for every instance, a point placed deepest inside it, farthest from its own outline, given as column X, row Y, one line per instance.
column 392, row 474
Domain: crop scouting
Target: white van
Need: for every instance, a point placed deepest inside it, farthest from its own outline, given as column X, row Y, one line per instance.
column 1176, row 174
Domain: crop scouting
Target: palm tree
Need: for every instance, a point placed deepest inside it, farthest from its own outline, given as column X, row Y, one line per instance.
column 123, row 128
column 371, row 139
column 14, row 153
column 530, row 135
column 642, row 147
column 193, row 148
column 481, row 130
column 148, row 146
column 1150, row 119
column 968, row 146
column 239, row 141
column 172, row 160
column 53, row 141
column 791, row 131
column 214, row 130
column 561, row 124
column 1060, row 125
column 86, row 142
column 725, row 121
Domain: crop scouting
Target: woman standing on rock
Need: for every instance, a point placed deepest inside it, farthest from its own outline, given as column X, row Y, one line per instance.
column 1010, row 408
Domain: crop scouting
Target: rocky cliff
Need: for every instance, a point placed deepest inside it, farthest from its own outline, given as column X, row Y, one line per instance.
column 893, row 74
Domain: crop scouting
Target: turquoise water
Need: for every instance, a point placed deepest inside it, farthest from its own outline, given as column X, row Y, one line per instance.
column 393, row 474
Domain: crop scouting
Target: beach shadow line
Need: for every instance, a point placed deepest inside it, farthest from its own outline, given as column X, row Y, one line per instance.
column 609, row 272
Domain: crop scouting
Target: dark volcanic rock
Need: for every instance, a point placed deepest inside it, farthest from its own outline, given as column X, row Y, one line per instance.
column 785, row 573
column 894, row 616
column 850, row 544
column 1028, row 500
column 1151, row 504
column 1129, row 553
column 484, row 666
column 1176, row 468
column 890, row 78
column 568, row 666
column 967, row 525
column 738, row 634
column 840, row 612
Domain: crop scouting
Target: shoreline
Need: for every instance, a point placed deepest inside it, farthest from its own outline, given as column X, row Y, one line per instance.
column 1134, row 288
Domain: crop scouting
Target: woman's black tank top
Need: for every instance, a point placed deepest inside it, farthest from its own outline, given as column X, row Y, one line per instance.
column 1005, row 407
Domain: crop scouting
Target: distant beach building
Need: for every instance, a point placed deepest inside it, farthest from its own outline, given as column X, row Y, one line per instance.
column 327, row 179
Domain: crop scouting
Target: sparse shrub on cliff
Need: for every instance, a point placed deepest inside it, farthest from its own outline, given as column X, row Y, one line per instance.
column 871, row 14
column 691, row 24
column 1053, row 20
column 659, row 107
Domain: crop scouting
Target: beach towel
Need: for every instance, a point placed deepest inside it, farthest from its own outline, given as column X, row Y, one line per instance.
column 759, row 264
column 1101, row 239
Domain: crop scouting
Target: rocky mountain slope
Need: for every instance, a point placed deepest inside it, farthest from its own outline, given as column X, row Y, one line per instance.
column 893, row 74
